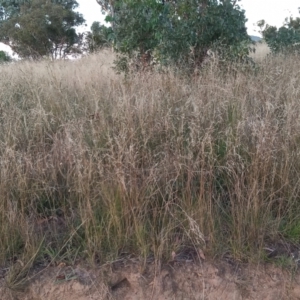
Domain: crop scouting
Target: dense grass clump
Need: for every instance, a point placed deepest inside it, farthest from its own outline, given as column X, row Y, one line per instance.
column 94, row 166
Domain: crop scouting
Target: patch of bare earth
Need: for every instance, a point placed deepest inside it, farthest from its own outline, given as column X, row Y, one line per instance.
column 188, row 280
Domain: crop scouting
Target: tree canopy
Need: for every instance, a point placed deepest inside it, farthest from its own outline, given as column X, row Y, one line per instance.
column 178, row 31
column 284, row 39
column 99, row 37
column 38, row 28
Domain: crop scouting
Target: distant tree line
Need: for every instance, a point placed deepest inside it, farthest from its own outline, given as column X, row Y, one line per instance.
column 168, row 32
column 176, row 32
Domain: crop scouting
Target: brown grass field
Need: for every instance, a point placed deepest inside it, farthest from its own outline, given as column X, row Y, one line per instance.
column 94, row 166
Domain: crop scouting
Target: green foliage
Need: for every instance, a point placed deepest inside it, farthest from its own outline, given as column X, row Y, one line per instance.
column 177, row 33
column 4, row 57
column 40, row 28
column 137, row 28
column 99, row 37
column 219, row 26
column 285, row 39
column 8, row 9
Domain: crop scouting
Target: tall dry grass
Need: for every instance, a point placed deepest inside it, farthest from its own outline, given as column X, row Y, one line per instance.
column 94, row 166
column 262, row 50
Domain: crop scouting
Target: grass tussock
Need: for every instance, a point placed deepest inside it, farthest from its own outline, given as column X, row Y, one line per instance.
column 94, row 166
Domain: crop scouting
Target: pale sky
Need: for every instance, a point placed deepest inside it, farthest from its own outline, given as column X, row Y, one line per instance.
column 272, row 11
column 91, row 11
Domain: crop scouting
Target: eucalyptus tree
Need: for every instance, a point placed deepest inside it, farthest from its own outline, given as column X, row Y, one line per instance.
column 37, row 28
column 177, row 31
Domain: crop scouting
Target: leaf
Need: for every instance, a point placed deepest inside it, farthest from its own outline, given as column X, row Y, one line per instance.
column 173, row 255
column 109, row 19
column 60, row 277
column 61, row 265
column 201, row 254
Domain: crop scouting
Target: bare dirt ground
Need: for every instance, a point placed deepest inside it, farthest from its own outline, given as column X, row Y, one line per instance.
column 176, row 280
